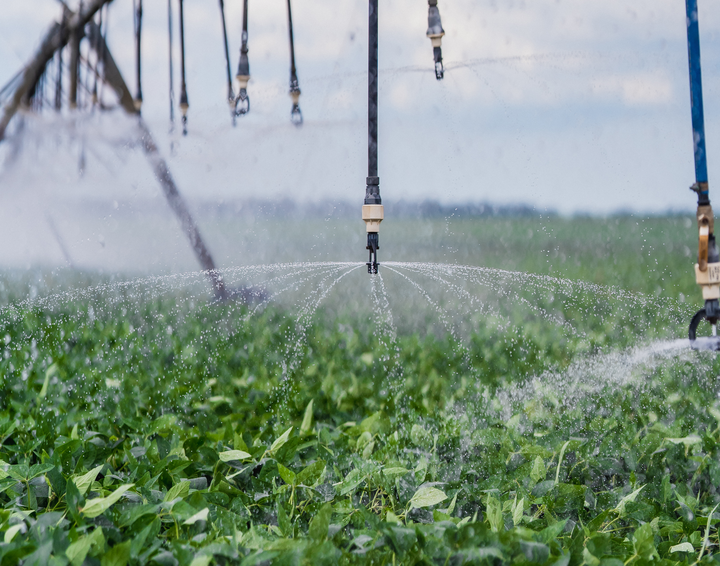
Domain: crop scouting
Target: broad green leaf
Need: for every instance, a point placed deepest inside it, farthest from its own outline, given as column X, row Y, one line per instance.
column 620, row 509
column 288, row 476
column 280, row 441
column 52, row 370
column 351, row 481
column 12, row 531
column 231, row 455
column 78, row 550
column 97, row 506
column 687, row 440
column 420, row 437
column 201, row 560
column 682, row 547
column 199, row 516
column 517, row 511
column 307, row 421
column 427, row 497
column 538, row 471
column 320, row 522
column 396, row 471
column 644, row 542
column 450, row 507
column 551, row 532
column 495, row 514
column 179, row 490
column 84, row 481
column 163, row 423
column 118, row 555
column 311, row 473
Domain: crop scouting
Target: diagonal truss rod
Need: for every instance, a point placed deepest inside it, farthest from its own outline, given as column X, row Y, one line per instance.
column 56, row 39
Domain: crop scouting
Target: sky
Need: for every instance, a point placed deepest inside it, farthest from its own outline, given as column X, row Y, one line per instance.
column 574, row 106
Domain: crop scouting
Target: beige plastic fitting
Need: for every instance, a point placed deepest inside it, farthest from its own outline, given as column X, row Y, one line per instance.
column 243, row 80
column 709, row 280
column 295, row 95
column 184, row 108
column 436, row 39
column 373, row 214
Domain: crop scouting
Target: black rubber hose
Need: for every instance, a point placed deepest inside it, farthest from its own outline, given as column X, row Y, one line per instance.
column 184, row 104
column 231, row 94
column 138, row 54
column 372, row 191
column 295, row 114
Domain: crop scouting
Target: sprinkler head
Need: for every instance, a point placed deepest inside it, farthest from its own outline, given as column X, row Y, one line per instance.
column 373, row 244
column 711, row 313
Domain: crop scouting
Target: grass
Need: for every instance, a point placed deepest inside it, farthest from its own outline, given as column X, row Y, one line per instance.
column 142, row 424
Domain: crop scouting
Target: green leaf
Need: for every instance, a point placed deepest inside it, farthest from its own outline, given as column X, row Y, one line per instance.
column 84, row 482
column 52, row 370
column 320, row 522
column 118, row 555
column 351, row 481
column 687, row 440
column 78, row 550
column 644, row 542
column 179, row 490
column 307, row 421
column 232, row 455
column 12, row 531
column 420, row 437
column 201, row 560
column 287, row 476
column 162, row 424
column 312, row 473
column 396, row 471
column 495, row 514
column 517, row 511
column 280, row 441
column 199, row 516
column 427, row 497
column 450, row 507
column 538, row 471
column 97, row 506
column 682, row 547
column 620, row 509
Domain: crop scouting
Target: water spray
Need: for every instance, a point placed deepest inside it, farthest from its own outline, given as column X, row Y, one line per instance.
column 372, row 210
column 435, row 32
column 707, row 269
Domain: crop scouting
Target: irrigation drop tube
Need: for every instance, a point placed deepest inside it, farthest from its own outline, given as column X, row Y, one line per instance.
column 707, row 269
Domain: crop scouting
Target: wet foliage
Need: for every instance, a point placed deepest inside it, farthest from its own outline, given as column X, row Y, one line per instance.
column 161, row 428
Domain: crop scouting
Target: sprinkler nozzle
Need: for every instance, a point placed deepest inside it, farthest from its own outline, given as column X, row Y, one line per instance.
column 373, row 244
column 436, row 32
column 296, row 116
column 373, row 214
column 707, row 275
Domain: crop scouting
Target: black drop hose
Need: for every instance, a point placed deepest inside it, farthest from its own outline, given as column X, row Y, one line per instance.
column 295, row 114
column 184, row 104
